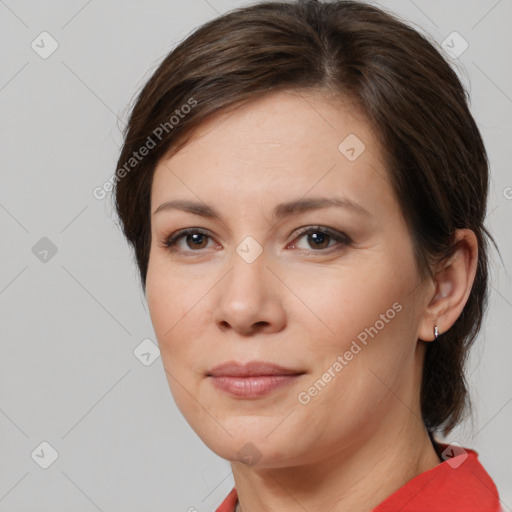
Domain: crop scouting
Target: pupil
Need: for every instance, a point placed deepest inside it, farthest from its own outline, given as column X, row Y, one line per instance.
column 197, row 238
column 318, row 238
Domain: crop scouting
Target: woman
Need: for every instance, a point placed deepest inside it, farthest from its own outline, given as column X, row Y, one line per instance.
column 305, row 189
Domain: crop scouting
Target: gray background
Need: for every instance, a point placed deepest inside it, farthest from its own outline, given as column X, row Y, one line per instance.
column 70, row 321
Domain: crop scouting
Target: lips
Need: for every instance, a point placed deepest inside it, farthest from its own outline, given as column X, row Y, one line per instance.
column 251, row 369
column 251, row 380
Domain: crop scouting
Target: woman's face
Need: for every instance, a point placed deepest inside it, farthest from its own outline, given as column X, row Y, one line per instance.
column 298, row 256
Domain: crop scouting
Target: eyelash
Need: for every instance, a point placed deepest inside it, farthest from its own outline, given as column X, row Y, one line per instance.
column 342, row 239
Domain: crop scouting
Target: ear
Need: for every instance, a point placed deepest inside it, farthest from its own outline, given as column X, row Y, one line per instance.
column 452, row 285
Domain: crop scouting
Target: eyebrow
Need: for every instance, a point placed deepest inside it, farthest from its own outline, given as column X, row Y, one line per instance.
column 281, row 210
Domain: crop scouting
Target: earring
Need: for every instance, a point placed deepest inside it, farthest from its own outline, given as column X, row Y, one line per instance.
column 436, row 332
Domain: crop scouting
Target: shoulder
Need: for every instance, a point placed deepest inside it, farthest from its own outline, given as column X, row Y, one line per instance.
column 458, row 484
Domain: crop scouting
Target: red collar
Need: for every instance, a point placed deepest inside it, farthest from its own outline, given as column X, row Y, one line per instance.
column 458, row 484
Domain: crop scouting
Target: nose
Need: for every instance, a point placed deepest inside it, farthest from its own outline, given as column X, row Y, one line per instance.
column 249, row 298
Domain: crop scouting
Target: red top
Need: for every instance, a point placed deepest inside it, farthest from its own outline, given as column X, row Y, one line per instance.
column 458, row 484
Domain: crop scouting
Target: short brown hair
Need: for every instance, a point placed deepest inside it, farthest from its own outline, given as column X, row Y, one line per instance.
column 413, row 99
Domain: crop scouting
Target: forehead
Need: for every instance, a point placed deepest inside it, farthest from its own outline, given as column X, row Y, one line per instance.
column 284, row 118
column 285, row 143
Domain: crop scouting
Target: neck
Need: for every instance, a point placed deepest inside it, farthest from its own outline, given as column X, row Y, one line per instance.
column 356, row 479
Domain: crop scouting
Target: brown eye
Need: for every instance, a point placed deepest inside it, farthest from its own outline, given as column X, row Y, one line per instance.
column 195, row 239
column 319, row 239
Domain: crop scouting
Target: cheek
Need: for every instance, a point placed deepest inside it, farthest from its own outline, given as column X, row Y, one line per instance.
column 352, row 304
column 371, row 326
column 173, row 307
column 172, row 301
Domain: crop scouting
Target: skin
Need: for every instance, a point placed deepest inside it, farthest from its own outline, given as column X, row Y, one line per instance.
column 299, row 304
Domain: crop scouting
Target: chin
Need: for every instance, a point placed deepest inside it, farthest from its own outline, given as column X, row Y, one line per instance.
column 253, row 447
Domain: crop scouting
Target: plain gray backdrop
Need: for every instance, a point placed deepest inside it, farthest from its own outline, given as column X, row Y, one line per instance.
column 78, row 392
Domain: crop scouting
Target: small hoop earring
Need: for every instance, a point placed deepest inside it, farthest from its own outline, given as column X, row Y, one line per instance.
column 436, row 332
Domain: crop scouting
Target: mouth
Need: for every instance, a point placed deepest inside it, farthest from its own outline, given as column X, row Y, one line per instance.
column 254, row 379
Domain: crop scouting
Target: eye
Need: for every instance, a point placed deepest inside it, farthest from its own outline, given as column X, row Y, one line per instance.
column 319, row 238
column 195, row 239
